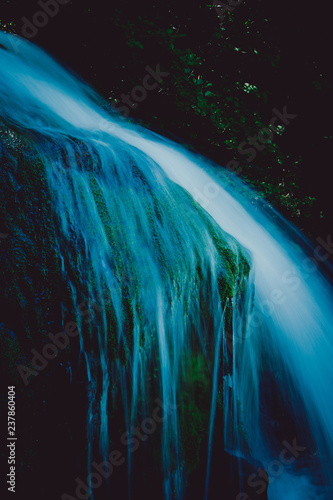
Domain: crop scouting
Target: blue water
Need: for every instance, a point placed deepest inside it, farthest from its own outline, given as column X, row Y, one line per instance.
column 277, row 375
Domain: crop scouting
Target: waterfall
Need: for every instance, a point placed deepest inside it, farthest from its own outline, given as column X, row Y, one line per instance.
column 174, row 268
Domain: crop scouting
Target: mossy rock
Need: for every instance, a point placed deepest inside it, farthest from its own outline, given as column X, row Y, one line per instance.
column 37, row 294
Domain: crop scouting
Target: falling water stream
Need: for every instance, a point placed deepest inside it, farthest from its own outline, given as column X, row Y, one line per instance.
column 138, row 221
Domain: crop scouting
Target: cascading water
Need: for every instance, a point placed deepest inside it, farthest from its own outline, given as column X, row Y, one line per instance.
column 143, row 237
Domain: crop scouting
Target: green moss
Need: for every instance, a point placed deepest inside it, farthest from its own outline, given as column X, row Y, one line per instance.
column 194, row 408
column 31, row 274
